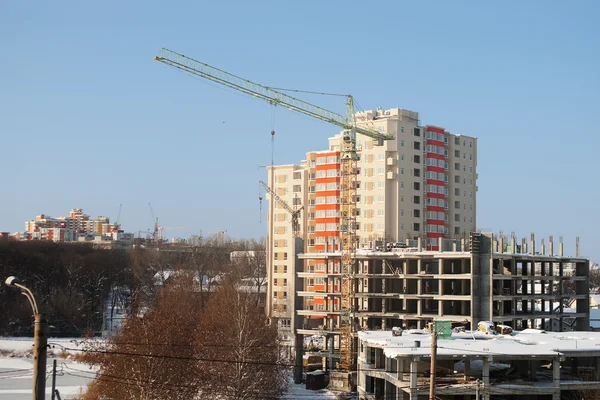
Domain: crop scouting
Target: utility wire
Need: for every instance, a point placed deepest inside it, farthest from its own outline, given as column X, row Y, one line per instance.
column 173, row 386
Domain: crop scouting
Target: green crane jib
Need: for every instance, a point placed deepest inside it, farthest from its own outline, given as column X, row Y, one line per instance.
column 263, row 92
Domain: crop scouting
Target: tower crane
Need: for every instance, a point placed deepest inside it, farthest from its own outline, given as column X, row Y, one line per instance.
column 347, row 180
column 295, row 213
column 117, row 224
column 155, row 232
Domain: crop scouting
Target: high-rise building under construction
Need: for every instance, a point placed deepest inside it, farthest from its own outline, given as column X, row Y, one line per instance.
column 422, row 184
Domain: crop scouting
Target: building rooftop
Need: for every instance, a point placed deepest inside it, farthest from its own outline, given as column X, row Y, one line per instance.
column 528, row 343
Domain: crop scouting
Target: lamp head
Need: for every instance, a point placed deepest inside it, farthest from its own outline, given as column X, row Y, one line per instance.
column 11, row 281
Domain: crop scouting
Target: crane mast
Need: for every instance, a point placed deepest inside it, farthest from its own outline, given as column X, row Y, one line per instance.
column 348, row 168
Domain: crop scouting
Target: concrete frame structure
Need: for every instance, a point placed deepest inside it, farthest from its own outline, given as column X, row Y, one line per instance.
column 466, row 282
column 529, row 365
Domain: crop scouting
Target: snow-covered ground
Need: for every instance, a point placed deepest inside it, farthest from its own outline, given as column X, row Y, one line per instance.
column 23, row 346
column 300, row 392
column 16, row 368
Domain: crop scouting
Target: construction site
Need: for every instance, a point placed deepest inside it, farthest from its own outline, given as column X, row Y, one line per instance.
column 378, row 232
column 481, row 279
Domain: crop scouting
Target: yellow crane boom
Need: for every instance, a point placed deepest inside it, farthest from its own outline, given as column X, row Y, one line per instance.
column 347, row 180
column 295, row 213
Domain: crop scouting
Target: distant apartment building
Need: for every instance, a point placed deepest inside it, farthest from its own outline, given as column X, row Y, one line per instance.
column 77, row 226
column 422, row 185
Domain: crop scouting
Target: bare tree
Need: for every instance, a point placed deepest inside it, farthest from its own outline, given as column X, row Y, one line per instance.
column 235, row 332
column 152, row 356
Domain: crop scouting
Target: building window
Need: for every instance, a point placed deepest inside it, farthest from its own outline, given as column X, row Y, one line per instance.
column 417, row 172
column 456, row 217
column 285, row 256
column 457, row 204
column 416, row 227
column 417, row 145
column 417, row 200
column 456, row 179
column 284, row 282
column 297, row 175
column 457, row 140
column 417, row 213
column 417, row 186
column 297, row 188
column 457, row 153
column 416, row 132
column 417, row 158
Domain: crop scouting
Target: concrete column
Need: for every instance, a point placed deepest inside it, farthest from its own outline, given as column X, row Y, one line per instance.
column 501, row 244
column 419, row 244
column 560, row 246
column 532, row 244
column 533, row 367
column 441, row 263
column 577, row 246
column 551, row 246
column 486, row 379
column 513, row 245
column 556, row 373
column 454, row 246
column 399, row 369
column 441, row 244
column 383, row 304
column 543, row 247
column 413, row 380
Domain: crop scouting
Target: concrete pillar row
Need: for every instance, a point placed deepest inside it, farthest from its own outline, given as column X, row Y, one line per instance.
column 413, row 379
column 486, row 379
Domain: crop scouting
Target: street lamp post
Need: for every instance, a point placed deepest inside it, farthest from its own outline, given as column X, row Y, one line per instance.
column 40, row 341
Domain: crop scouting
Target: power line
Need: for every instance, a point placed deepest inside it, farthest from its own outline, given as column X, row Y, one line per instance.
column 173, row 386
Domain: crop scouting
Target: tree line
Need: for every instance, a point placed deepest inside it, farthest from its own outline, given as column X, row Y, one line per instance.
column 72, row 281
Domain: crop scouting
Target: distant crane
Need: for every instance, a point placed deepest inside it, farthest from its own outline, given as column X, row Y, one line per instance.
column 155, row 232
column 117, row 224
column 168, row 228
column 295, row 213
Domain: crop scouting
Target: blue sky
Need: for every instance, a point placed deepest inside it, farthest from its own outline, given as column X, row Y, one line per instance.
column 88, row 120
